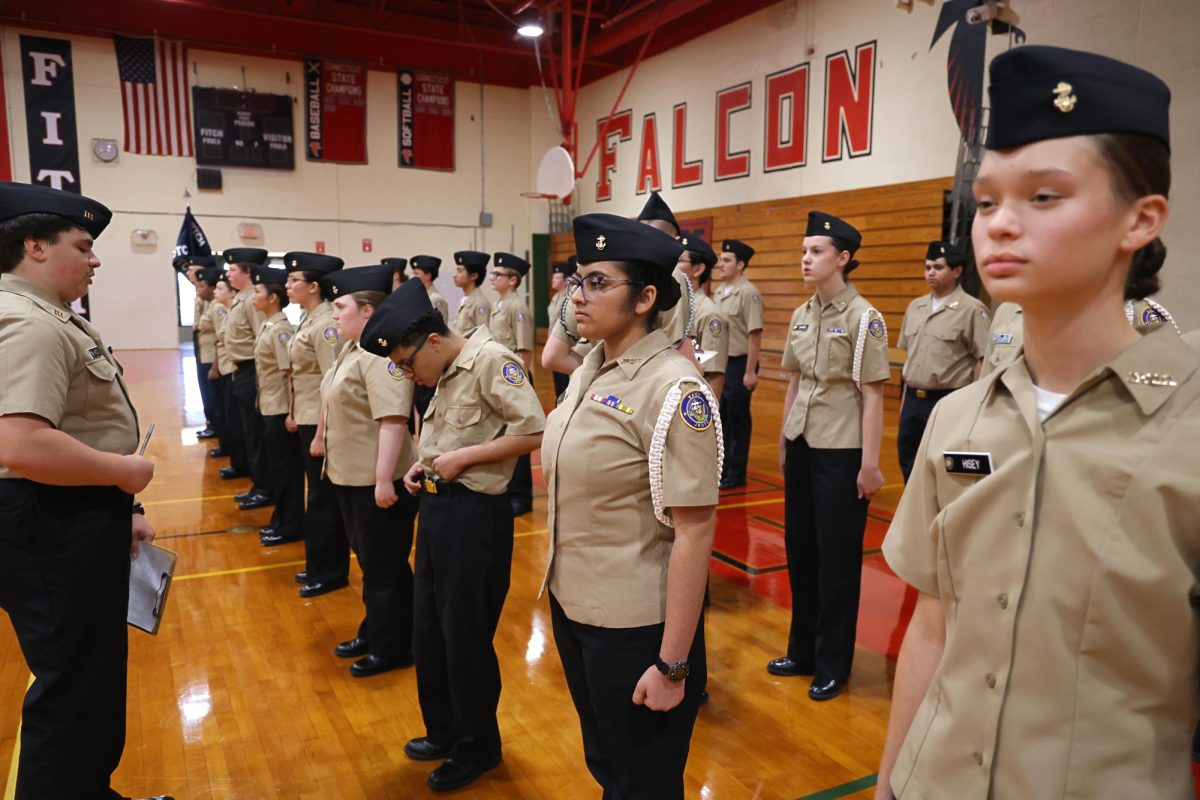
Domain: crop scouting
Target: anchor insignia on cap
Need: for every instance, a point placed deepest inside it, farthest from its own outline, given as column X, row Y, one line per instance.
column 684, row 242
column 382, row 342
column 827, row 225
column 1064, row 101
column 601, row 243
column 335, row 289
column 293, row 262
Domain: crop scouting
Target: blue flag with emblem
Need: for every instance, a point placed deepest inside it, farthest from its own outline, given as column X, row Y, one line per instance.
column 191, row 241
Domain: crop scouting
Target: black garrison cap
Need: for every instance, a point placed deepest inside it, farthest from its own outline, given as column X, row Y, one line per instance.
column 395, row 315
column 24, row 198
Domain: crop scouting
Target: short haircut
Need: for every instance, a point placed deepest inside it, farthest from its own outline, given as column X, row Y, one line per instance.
column 14, row 232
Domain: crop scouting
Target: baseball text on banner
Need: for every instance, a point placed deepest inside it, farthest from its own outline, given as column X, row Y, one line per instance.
column 335, row 122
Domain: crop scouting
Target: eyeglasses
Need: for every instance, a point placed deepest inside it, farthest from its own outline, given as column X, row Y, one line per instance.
column 596, row 284
column 499, row 273
column 407, row 364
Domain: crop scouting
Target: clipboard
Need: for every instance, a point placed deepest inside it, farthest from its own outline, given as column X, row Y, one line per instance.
column 150, row 576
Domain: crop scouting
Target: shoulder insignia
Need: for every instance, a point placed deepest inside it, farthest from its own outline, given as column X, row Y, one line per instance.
column 695, row 412
column 876, row 329
column 284, row 336
column 483, row 311
column 754, row 298
column 612, row 401
column 520, row 316
column 1151, row 317
column 395, row 371
column 330, row 334
column 715, row 327
column 512, row 373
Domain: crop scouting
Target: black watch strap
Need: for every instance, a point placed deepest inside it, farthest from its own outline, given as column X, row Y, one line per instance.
column 675, row 672
column 138, row 508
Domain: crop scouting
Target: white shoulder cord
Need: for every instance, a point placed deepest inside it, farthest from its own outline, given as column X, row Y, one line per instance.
column 691, row 293
column 659, row 441
column 1159, row 307
column 863, row 326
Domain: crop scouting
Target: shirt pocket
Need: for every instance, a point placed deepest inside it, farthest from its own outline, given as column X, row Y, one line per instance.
column 943, row 347
column 462, row 416
column 99, row 376
column 839, row 353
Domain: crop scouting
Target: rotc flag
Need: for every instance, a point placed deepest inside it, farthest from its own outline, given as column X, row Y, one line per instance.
column 154, row 95
column 191, row 241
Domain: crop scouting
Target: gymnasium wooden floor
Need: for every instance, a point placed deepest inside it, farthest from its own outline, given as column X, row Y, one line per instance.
column 240, row 695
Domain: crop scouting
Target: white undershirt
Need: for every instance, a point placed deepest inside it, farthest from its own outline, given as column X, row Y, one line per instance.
column 938, row 302
column 1047, row 402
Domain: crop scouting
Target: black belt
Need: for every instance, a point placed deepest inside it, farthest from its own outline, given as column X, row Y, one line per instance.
column 922, row 394
column 443, row 487
column 249, row 362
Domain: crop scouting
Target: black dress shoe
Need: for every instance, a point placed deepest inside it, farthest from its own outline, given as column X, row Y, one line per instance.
column 229, row 473
column 256, row 501
column 207, row 433
column 425, row 750
column 455, row 774
column 371, row 664
column 731, row 483
column 275, row 539
column 325, row 587
column 825, row 690
column 351, row 648
column 266, row 530
column 218, row 452
column 301, row 577
column 242, row 497
column 520, row 508
column 788, row 667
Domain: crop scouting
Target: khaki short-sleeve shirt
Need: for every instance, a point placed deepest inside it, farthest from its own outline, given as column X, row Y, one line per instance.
column 473, row 311
column 511, row 324
column 358, row 391
column 1067, row 576
column 742, row 305
column 206, row 328
column 484, row 394
column 568, row 332
column 711, row 332
column 555, row 309
column 823, row 346
column 943, row 345
column 272, row 363
column 242, row 324
column 198, row 308
column 439, row 303
column 674, row 320
column 608, row 553
column 1005, row 338
column 224, row 362
column 54, row 365
column 312, row 351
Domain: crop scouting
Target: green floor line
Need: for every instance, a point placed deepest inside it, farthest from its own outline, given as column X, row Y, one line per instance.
column 846, row 789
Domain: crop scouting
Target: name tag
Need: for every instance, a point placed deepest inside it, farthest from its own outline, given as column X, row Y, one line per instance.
column 95, row 352
column 803, row 326
column 958, row 463
column 836, row 331
column 1003, row 338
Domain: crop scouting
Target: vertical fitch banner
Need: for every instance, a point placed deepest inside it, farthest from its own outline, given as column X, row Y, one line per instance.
column 426, row 107
column 336, row 120
column 50, row 112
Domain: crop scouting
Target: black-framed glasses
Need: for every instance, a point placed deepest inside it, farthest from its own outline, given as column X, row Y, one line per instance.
column 499, row 273
column 407, row 364
column 596, row 284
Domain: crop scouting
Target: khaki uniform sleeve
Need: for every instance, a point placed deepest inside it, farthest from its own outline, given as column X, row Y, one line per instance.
column 36, row 362
column 389, row 392
column 483, row 313
column 875, row 365
column 443, row 308
column 524, row 326
column 689, row 465
column 257, row 318
column 282, row 337
column 714, row 338
column 980, row 332
column 326, row 349
column 560, row 331
column 509, row 393
column 752, row 310
column 902, row 338
column 790, row 362
column 911, row 547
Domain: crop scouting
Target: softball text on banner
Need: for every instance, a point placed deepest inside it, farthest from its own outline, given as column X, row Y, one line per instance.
column 50, row 112
column 336, row 112
column 426, row 105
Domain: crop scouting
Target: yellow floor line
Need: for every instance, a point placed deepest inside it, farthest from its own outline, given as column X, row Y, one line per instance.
column 237, row 570
column 10, row 788
column 188, row 500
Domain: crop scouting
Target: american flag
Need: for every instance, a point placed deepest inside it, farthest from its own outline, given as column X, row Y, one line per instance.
column 154, row 94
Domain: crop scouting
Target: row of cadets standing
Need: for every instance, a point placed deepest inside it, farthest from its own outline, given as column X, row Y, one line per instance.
column 484, row 414
column 511, row 325
column 362, row 432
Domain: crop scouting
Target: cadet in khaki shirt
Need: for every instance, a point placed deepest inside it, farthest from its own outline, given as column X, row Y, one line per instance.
column 1050, row 523
column 425, row 269
column 363, row 433
column 741, row 303
column 311, row 353
column 470, row 268
column 945, row 333
column 281, row 447
column 512, row 326
column 484, row 415
column 836, row 352
column 206, row 350
column 711, row 325
column 68, row 521
column 557, row 310
column 242, row 324
column 631, row 463
column 208, row 398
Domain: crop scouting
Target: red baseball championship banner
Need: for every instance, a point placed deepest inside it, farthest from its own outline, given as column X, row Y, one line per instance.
column 426, row 106
column 335, row 118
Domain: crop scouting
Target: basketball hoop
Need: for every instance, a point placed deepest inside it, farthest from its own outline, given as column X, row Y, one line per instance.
column 556, row 175
column 539, row 196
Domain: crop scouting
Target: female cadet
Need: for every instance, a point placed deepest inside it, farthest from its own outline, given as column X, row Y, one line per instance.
column 311, row 353
column 836, row 353
column 363, row 433
column 281, row 446
column 632, row 463
column 233, row 444
column 206, row 341
column 1050, row 523
column 470, row 268
column 558, row 277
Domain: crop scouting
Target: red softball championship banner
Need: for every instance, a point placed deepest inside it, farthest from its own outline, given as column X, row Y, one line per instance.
column 335, row 118
column 426, row 107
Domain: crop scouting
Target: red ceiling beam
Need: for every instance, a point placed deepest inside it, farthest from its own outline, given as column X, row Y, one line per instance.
column 643, row 23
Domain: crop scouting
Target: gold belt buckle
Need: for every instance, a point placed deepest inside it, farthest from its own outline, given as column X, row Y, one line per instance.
column 922, row 394
column 430, row 486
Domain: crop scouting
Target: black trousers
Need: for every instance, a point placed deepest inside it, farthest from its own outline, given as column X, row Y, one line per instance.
column 631, row 751
column 824, row 524
column 64, row 583
column 735, row 421
column 245, row 392
column 210, row 397
column 463, row 563
column 382, row 538
column 326, row 546
column 234, row 440
column 913, row 418
column 561, row 379
column 520, row 488
column 286, row 475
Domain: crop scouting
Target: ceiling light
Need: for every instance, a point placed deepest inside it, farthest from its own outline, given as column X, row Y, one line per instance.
column 530, row 25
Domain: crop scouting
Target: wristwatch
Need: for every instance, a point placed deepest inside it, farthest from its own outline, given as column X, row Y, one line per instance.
column 139, row 509
column 674, row 672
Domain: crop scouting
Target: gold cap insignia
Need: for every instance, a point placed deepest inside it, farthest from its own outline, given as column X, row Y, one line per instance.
column 1064, row 101
column 827, row 225
column 942, row 250
column 499, row 262
column 601, row 242
column 88, row 215
column 685, row 242
column 382, row 342
column 335, row 289
column 294, row 262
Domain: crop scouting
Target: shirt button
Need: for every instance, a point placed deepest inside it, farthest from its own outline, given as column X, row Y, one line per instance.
column 991, row 681
column 1021, row 519
column 978, row 757
column 1002, row 600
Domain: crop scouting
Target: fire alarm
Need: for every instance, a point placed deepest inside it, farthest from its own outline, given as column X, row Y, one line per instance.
column 366, row 245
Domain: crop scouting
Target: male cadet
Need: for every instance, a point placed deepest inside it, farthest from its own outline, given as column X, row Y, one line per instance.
column 470, row 268
column 242, row 325
column 193, row 266
column 710, row 326
column 511, row 325
column 742, row 305
column 68, row 521
column 398, row 266
column 945, row 333
column 484, row 415
column 425, row 269
column 554, row 312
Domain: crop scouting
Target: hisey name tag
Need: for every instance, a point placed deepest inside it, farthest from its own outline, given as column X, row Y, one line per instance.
column 968, row 463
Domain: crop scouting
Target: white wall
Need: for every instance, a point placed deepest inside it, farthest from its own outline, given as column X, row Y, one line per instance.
column 404, row 212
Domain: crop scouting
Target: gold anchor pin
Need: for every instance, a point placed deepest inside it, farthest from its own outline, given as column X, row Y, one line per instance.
column 382, row 342
column 601, row 242
column 827, row 225
column 1064, row 101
